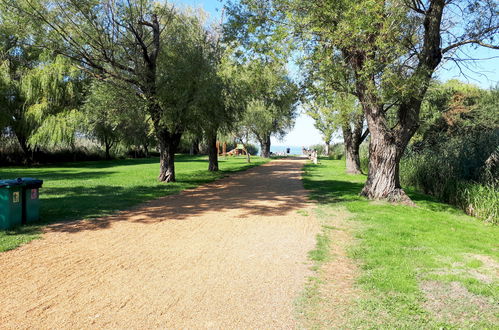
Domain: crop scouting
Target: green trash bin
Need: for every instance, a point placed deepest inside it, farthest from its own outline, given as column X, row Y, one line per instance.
column 31, row 199
column 10, row 203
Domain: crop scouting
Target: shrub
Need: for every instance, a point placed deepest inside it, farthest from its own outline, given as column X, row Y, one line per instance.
column 454, row 178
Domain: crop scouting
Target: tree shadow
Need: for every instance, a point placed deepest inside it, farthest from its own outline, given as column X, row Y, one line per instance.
column 61, row 175
column 262, row 191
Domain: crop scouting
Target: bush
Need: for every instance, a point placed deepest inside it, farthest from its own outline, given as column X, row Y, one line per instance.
column 456, row 172
column 320, row 148
column 337, row 151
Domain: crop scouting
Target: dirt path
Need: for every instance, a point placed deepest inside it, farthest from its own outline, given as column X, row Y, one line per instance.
column 232, row 254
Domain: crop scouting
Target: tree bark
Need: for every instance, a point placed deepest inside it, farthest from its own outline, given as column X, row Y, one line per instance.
column 23, row 142
column 265, row 147
column 212, row 153
column 168, row 144
column 383, row 180
column 352, row 156
column 353, row 138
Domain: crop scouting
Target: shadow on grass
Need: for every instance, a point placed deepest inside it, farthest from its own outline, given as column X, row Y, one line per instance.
column 334, row 191
column 329, row 191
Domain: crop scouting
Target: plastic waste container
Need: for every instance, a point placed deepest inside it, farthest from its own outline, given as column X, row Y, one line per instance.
column 10, row 203
column 31, row 199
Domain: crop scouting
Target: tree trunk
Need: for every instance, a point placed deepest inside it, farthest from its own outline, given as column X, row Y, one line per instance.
column 194, row 147
column 23, row 142
column 388, row 143
column 168, row 144
column 352, row 157
column 385, row 151
column 327, row 147
column 353, row 138
column 265, row 147
column 383, row 180
column 108, row 148
column 212, row 153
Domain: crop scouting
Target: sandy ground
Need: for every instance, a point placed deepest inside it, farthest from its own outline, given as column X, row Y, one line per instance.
column 232, row 254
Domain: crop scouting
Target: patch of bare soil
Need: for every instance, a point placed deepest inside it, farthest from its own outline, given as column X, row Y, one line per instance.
column 452, row 302
column 487, row 272
column 232, row 254
column 332, row 293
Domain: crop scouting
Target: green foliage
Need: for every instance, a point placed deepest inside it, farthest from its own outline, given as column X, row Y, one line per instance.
column 88, row 190
column 115, row 114
column 271, row 99
column 443, row 178
column 452, row 108
column 40, row 93
column 184, row 72
column 454, row 154
column 399, row 248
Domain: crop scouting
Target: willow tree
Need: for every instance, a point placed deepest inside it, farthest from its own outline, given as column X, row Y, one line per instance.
column 271, row 101
column 39, row 93
column 113, row 115
column 339, row 111
column 324, row 120
column 120, row 40
column 392, row 48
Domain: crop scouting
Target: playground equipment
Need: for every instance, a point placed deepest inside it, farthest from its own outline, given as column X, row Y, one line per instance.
column 224, row 148
column 238, row 150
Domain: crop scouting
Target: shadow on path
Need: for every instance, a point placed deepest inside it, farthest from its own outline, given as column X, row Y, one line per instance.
column 278, row 182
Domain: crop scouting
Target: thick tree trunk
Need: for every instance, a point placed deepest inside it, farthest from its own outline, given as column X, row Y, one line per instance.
column 168, row 144
column 352, row 155
column 383, row 180
column 388, row 142
column 265, row 147
column 212, row 153
column 328, row 143
column 385, row 151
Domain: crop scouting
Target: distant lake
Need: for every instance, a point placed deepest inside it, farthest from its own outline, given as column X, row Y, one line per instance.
column 294, row 150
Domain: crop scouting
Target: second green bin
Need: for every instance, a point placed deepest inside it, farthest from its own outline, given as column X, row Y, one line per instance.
column 31, row 199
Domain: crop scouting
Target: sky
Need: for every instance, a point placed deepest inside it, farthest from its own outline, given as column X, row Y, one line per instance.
column 484, row 73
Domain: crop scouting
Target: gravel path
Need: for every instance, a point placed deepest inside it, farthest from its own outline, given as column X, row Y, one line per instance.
column 232, row 254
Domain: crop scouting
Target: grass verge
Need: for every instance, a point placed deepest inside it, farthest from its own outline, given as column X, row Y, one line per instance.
column 429, row 266
column 86, row 190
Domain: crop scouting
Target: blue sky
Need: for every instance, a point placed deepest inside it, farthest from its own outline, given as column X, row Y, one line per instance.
column 484, row 73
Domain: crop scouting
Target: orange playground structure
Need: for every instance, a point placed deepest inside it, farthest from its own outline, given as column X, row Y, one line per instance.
column 238, row 150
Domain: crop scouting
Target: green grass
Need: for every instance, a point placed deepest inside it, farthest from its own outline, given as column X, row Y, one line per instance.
column 86, row 190
column 403, row 247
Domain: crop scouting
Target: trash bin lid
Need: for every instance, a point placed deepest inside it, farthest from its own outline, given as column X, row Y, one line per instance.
column 9, row 183
column 32, row 182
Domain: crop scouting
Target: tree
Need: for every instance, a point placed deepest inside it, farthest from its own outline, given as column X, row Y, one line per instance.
column 324, row 120
column 271, row 102
column 39, row 93
column 119, row 40
column 113, row 114
column 392, row 49
column 332, row 110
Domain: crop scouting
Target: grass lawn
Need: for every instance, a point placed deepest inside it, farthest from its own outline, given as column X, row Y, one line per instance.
column 85, row 190
column 429, row 266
